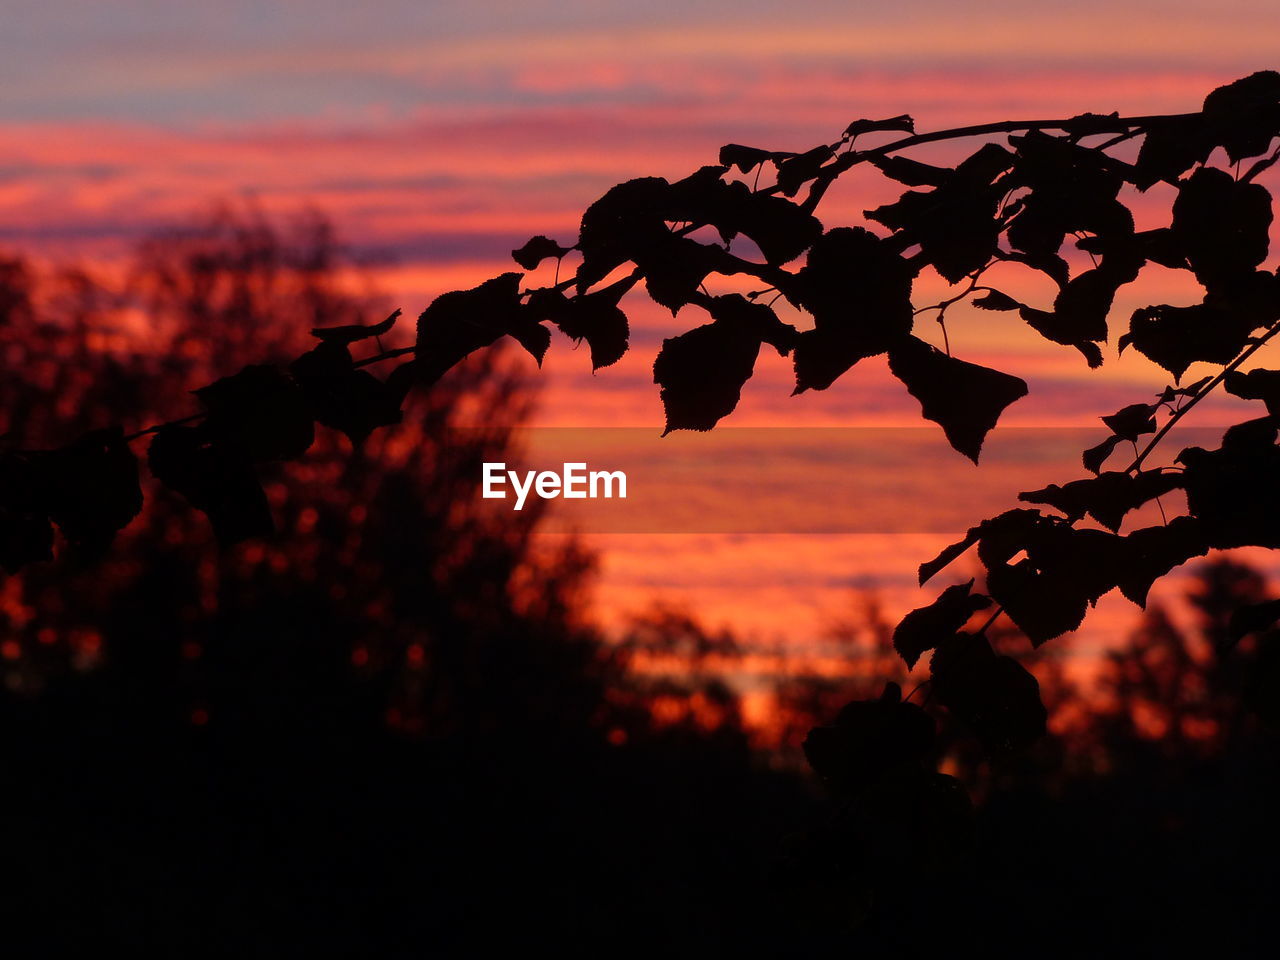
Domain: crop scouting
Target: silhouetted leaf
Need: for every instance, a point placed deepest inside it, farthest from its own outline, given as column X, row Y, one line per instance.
column 913, row 173
column 626, row 221
column 214, row 479
column 949, row 553
column 1073, row 188
column 259, row 411
column 537, row 249
column 675, row 267
column 1244, row 116
column 702, row 372
column 901, row 123
column 1107, row 497
column 747, row 159
column 342, row 397
column 955, row 224
column 869, row 740
column 356, row 331
column 995, row 300
column 1079, row 317
column 1257, row 384
column 1222, row 225
column 964, row 398
column 1131, row 422
column 1169, row 148
column 778, row 227
column 1176, row 337
column 90, row 487
column 859, row 291
column 926, row 627
column 1043, row 604
column 1171, row 393
column 1232, row 489
column 459, row 322
column 795, row 172
column 1095, row 457
column 757, row 319
column 594, row 317
column 994, row 696
column 1002, row 535
column 1148, row 554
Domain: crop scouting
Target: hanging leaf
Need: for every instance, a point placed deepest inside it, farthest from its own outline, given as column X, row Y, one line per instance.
column 701, row 374
column 1232, row 489
column 956, row 223
column 215, row 479
column 994, row 696
column 795, row 172
column 626, row 221
column 964, row 398
column 1133, row 421
column 1244, row 116
column 757, row 319
column 594, row 317
column 355, row 332
column 1148, row 554
column 90, row 487
column 869, row 740
column 260, row 411
column 1257, row 384
column 537, row 249
column 1222, row 225
column 859, row 291
column 1176, row 337
column 1107, row 497
column 1044, row 605
column 913, row 173
column 1170, row 147
column 675, row 267
column 1095, row 457
column 342, row 397
column 926, row 627
column 457, row 323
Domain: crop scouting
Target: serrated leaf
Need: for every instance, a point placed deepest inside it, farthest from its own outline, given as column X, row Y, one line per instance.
column 965, row 399
column 90, row 487
column 459, row 322
column 924, row 628
column 858, row 289
column 701, row 374
column 594, row 317
column 994, row 696
column 259, row 411
column 343, row 397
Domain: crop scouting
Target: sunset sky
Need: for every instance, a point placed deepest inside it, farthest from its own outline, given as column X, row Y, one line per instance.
column 440, row 135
